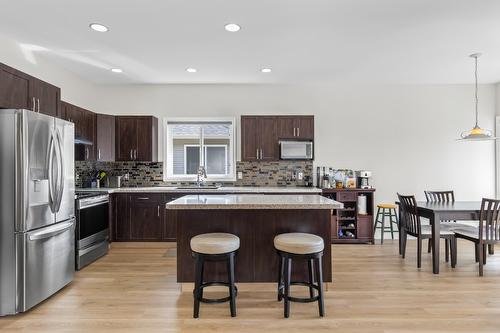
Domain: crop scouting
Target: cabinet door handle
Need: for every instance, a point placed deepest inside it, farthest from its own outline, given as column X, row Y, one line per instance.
column 257, row 153
column 38, row 100
column 158, row 210
column 87, row 153
column 131, row 158
column 261, row 153
column 298, row 131
column 34, row 104
column 98, row 154
column 294, row 129
column 135, row 154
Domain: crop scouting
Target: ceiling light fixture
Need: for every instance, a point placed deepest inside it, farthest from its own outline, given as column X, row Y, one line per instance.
column 476, row 133
column 191, row 70
column 98, row 27
column 116, row 70
column 232, row 27
column 266, row 70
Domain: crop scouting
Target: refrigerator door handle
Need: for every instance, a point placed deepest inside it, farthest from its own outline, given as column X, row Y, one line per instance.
column 60, row 174
column 51, row 231
column 50, row 171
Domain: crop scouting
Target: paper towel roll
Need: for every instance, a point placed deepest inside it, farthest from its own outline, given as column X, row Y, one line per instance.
column 362, row 204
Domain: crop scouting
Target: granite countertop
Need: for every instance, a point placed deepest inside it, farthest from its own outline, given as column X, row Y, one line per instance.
column 253, row 201
column 223, row 189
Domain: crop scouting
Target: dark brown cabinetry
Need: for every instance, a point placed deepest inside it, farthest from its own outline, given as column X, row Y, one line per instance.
column 260, row 135
column 296, row 127
column 46, row 96
column 143, row 217
column 136, row 138
column 22, row 91
column 348, row 226
column 259, row 138
column 105, row 137
column 85, row 123
column 14, row 89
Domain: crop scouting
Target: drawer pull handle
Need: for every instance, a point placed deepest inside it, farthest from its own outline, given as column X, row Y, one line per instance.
column 143, row 198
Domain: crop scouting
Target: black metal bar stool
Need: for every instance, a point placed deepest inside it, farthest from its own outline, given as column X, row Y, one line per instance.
column 214, row 247
column 386, row 210
column 300, row 246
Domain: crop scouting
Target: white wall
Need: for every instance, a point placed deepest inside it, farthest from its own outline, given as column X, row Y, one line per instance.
column 73, row 88
column 404, row 134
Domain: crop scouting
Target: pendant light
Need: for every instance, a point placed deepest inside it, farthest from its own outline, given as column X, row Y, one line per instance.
column 476, row 133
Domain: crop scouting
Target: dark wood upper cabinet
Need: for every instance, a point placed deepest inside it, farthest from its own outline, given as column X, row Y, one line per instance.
column 46, row 96
column 136, row 138
column 85, row 128
column 305, row 127
column 105, row 137
column 268, row 139
column 22, row 91
column 249, row 141
column 259, row 138
column 260, row 135
column 296, row 127
column 14, row 89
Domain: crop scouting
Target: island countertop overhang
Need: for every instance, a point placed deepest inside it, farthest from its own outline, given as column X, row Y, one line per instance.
column 253, row 201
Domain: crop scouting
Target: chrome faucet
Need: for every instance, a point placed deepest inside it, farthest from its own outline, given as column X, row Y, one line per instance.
column 201, row 175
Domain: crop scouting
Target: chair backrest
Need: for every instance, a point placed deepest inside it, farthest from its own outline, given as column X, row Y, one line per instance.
column 439, row 196
column 410, row 218
column 489, row 221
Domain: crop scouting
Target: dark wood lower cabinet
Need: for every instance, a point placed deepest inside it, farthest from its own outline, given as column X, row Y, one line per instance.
column 143, row 217
column 121, row 224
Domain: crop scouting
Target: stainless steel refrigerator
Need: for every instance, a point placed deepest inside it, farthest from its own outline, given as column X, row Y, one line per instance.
column 37, row 208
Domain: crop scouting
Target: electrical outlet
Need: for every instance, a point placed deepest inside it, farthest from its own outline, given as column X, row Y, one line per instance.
column 240, row 175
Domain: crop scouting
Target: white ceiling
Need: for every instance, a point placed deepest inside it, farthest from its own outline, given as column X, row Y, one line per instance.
column 355, row 41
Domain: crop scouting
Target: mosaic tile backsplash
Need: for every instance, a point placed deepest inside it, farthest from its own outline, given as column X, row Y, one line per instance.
column 281, row 173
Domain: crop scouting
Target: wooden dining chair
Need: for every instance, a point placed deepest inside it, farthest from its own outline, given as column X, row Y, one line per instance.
column 411, row 225
column 446, row 196
column 488, row 232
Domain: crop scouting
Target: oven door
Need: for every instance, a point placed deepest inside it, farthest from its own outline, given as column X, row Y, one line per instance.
column 93, row 224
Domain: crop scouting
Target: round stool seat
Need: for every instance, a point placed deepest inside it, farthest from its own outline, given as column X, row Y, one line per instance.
column 215, row 243
column 299, row 243
column 386, row 205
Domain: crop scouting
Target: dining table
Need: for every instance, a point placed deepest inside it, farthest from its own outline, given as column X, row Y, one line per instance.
column 443, row 211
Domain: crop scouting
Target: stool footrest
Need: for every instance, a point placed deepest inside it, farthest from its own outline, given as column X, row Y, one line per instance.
column 281, row 292
column 216, row 300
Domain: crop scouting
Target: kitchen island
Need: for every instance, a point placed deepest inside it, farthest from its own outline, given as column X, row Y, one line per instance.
column 256, row 220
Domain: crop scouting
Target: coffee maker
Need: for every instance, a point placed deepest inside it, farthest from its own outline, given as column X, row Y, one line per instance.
column 363, row 177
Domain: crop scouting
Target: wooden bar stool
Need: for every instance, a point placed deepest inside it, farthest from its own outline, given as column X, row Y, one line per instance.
column 214, row 247
column 300, row 246
column 385, row 210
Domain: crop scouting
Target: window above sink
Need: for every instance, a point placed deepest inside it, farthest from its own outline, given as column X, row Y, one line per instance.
column 193, row 142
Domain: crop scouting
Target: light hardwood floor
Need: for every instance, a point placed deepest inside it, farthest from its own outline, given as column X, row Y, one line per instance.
column 133, row 289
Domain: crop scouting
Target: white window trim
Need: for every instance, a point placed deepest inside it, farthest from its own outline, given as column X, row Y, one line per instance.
column 168, row 174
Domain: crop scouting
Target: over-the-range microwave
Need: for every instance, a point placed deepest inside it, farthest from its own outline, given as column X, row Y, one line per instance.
column 296, row 150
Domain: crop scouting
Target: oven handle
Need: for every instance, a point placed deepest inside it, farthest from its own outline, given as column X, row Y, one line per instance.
column 93, row 204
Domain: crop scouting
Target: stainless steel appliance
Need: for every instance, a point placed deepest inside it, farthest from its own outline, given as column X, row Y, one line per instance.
column 37, row 208
column 364, row 179
column 92, row 227
column 296, row 150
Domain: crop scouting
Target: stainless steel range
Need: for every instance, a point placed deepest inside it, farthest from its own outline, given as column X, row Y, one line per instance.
column 92, row 227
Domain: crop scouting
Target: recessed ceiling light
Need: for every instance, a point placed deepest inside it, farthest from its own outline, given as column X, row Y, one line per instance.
column 98, row 27
column 232, row 27
column 266, row 70
column 116, row 70
column 191, row 70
